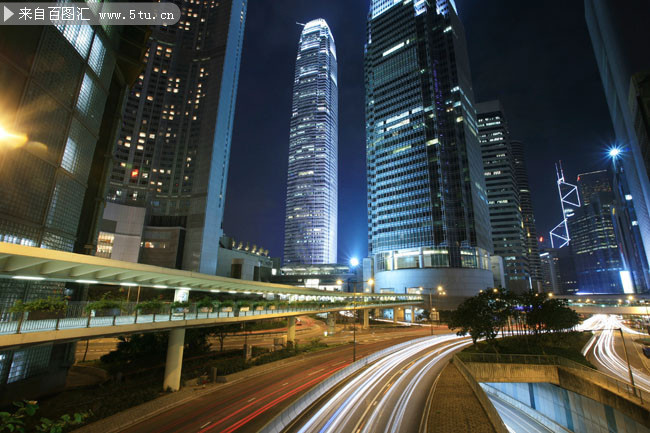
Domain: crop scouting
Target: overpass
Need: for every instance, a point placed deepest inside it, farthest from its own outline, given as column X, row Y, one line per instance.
column 37, row 264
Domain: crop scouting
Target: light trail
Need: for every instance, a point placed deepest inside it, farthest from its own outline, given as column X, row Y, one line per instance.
column 604, row 350
column 342, row 408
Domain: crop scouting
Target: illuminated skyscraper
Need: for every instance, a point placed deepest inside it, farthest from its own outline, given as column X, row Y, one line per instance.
column 526, row 203
column 173, row 150
column 312, row 183
column 428, row 221
column 503, row 194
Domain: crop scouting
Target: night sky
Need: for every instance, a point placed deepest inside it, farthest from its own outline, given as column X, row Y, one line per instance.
column 535, row 57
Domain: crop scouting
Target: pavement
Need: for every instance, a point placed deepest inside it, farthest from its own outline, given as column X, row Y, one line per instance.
column 250, row 397
column 454, row 406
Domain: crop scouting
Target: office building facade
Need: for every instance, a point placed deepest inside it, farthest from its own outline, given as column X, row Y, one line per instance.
column 508, row 236
column 618, row 35
column 62, row 88
column 173, row 149
column 531, row 251
column 599, row 266
column 428, row 221
column 310, row 231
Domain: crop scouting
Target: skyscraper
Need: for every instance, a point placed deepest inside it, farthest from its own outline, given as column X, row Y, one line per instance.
column 62, row 88
column 428, row 221
column 619, row 37
column 173, row 150
column 596, row 252
column 526, row 204
column 312, row 184
column 503, row 194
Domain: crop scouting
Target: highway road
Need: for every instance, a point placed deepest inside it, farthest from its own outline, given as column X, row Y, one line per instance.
column 607, row 352
column 515, row 420
column 248, row 404
column 388, row 396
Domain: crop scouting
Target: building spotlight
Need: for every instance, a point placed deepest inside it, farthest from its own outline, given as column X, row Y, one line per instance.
column 354, row 262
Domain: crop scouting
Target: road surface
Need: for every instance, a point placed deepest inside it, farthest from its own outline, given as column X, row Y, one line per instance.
column 388, row 396
column 607, row 351
column 247, row 405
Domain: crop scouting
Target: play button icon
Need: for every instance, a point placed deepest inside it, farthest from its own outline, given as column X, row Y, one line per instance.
column 7, row 14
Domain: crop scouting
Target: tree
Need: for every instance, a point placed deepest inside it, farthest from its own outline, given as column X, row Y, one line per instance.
column 481, row 316
column 23, row 419
column 222, row 331
column 544, row 314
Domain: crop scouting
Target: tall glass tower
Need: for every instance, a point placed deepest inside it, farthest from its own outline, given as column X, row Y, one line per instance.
column 427, row 209
column 312, row 183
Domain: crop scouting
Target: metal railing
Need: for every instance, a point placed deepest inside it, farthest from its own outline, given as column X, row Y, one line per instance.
column 606, row 381
column 78, row 315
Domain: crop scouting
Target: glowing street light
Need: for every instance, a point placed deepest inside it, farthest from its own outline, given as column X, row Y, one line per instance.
column 614, row 152
column 354, row 262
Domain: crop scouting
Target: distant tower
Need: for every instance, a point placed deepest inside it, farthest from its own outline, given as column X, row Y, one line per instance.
column 569, row 199
column 526, row 204
column 508, row 235
column 312, row 186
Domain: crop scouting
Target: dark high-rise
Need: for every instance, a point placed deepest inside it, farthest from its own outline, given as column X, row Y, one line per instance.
column 428, row 222
column 596, row 252
column 503, row 194
column 173, row 149
column 526, row 204
column 619, row 35
column 61, row 90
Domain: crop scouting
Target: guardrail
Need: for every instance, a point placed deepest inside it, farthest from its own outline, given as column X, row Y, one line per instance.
column 606, row 381
column 76, row 315
column 282, row 420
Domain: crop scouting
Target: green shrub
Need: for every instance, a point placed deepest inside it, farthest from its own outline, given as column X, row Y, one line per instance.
column 179, row 304
column 207, row 302
column 103, row 304
column 227, row 304
column 150, row 306
column 50, row 304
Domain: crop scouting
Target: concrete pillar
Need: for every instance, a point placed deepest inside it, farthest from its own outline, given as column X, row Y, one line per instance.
column 412, row 314
column 174, row 362
column 395, row 315
column 291, row 330
column 366, row 318
column 331, row 323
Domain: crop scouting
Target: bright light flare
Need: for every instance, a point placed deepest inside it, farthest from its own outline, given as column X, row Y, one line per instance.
column 12, row 139
column 614, row 152
column 354, row 262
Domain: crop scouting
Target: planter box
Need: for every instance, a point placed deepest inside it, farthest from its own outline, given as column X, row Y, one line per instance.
column 273, row 307
column 259, row 308
column 226, row 309
column 205, row 310
column 245, row 309
column 45, row 315
column 106, row 312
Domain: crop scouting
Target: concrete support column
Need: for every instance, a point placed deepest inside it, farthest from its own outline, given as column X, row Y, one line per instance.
column 412, row 314
column 366, row 318
column 331, row 323
column 174, row 362
column 395, row 315
column 291, row 330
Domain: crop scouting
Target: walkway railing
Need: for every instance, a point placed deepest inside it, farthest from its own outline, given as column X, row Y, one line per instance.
column 77, row 315
column 606, row 381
